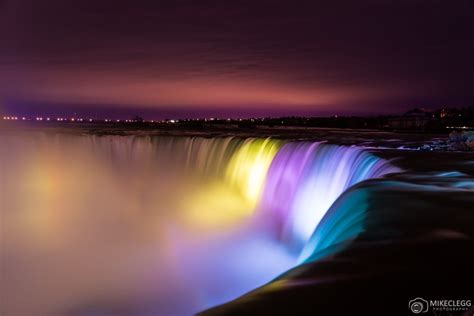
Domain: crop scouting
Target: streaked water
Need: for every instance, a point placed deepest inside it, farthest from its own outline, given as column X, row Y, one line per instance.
column 115, row 225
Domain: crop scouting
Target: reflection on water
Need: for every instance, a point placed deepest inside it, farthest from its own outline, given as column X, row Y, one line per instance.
column 115, row 225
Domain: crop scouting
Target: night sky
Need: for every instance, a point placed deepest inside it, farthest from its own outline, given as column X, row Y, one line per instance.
column 234, row 58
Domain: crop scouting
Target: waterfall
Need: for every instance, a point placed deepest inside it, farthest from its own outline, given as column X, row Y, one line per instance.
column 247, row 169
column 196, row 221
column 306, row 178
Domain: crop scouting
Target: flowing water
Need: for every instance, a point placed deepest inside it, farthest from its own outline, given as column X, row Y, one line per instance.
column 112, row 225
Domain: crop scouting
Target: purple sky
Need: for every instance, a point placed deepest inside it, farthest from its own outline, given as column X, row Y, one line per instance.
column 234, row 58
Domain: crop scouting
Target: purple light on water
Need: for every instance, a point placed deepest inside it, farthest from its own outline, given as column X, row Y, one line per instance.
column 158, row 216
column 306, row 178
column 283, row 181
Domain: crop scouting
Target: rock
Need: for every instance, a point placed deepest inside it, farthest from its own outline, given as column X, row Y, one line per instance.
column 461, row 140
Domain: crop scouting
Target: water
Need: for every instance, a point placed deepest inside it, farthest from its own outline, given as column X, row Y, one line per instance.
column 115, row 225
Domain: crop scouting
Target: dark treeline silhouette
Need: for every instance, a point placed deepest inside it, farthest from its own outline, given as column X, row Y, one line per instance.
column 417, row 119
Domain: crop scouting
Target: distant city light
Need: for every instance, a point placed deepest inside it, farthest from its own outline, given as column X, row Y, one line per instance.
column 10, row 118
column 460, row 127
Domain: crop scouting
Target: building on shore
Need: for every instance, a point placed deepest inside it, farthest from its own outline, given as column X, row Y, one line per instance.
column 413, row 119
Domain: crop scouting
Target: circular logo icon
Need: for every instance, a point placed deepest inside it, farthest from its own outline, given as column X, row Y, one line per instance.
column 416, row 307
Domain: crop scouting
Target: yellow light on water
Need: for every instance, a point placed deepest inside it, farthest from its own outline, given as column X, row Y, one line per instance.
column 215, row 206
column 220, row 204
column 248, row 167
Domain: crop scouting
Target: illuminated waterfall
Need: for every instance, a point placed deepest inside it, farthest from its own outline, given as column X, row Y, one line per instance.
column 248, row 168
column 306, row 178
column 195, row 221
